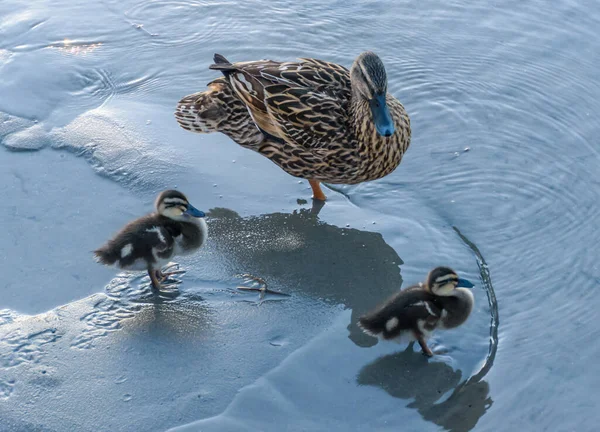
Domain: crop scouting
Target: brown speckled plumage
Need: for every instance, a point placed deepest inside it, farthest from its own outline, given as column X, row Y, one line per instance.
column 305, row 116
column 219, row 110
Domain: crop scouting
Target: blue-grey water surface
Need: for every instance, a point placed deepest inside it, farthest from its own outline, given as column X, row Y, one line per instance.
column 500, row 182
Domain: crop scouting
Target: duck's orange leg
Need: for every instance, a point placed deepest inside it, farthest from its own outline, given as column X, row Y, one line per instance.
column 317, row 192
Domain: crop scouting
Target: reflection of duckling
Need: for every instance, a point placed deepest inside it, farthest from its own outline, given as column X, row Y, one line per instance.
column 420, row 309
column 151, row 241
column 407, row 375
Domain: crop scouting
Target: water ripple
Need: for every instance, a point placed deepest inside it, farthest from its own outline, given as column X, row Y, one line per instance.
column 156, row 18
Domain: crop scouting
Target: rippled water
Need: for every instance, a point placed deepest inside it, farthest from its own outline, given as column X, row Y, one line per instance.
column 500, row 182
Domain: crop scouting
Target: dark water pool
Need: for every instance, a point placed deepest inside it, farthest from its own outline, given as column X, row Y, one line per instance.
column 501, row 182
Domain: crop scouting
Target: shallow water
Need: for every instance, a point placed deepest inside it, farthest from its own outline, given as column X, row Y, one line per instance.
column 500, row 182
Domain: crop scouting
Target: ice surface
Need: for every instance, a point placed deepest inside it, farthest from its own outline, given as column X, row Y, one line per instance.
column 87, row 139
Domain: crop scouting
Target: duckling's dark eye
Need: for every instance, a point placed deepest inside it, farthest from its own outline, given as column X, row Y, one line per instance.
column 446, row 282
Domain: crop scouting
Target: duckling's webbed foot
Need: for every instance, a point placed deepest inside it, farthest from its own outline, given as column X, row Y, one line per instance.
column 424, row 347
column 162, row 277
column 164, row 273
column 158, row 278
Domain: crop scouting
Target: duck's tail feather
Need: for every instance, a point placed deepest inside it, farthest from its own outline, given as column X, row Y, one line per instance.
column 105, row 256
column 218, row 109
column 221, row 64
column 219, row 59
column 202, row 112
column 372, row 324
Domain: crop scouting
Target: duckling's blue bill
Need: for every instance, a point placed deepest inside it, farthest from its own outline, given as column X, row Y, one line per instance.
column 193, row 211
column 463, row 283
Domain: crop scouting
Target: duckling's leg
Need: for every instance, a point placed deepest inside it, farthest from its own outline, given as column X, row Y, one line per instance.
column 424, row 346
column 154, row 279
column 317, row 192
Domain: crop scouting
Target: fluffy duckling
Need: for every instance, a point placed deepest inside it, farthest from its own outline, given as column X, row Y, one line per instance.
column 441, row 302
column 148, row 243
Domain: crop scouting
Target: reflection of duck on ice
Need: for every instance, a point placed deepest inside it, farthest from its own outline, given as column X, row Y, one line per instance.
column 298, row 253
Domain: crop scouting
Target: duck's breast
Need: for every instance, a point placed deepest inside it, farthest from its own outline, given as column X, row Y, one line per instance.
column 456, row 309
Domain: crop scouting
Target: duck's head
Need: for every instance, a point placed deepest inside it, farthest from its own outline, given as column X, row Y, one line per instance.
column 442, row 281
column 369, row 82
column 174, row 205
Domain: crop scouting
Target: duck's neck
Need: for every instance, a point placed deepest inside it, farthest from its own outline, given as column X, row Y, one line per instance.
column 361, row 119
column 377, row 153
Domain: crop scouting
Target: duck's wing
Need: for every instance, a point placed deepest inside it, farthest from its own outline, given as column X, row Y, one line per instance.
column 157, row 239
column 306, row 118
column 422, row 309
column 403, row 311
column 302, row 103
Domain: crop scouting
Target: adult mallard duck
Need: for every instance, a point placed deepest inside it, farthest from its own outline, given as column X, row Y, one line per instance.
column 441, row 302
column 149, row 242
column 315, row 119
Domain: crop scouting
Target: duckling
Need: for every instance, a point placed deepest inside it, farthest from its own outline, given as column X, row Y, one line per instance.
column 441, row 302
column 148, row 243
